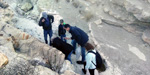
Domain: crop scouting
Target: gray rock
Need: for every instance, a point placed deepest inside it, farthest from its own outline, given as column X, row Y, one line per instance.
column 3, row 4
column 146, row 36
column 27, row 7
column 3, row 60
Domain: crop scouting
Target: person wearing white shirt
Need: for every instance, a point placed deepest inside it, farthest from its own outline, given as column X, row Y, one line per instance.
column 90, row 62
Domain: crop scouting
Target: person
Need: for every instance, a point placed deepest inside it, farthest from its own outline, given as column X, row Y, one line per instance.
column 90, row 63
column 78, row 36
column 46, row 22
column 66, row 48
column 61, row 30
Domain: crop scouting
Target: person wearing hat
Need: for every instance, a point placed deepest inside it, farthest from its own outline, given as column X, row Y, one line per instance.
column 46, row 22
column 61, row 30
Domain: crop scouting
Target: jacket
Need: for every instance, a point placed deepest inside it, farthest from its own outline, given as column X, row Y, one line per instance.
column 79, row 35
column 62, row 46
column 90, row 60
column 61, row 30
column 43, row 24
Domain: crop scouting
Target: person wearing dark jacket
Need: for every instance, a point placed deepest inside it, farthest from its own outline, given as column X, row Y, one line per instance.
column 61, row 30
column 78, row 36
column 66, row 48
column 46, row 22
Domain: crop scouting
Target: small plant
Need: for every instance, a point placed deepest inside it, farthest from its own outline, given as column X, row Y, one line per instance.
column 76, row 4
column 88, row 16
column 57, row 1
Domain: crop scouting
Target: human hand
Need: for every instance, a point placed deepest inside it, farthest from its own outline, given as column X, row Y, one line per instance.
column 43, row 20
column 66, row 38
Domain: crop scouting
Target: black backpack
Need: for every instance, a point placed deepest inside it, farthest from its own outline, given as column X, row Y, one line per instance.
column 100, row 64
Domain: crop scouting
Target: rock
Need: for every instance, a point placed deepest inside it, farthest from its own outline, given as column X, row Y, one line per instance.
column 98, row 22
column 7, row 42
column 44, row 5
column 146, row 36
column 45, row 71
column 106, row 10
column 67, row 72
column 59, row 7
column 139, row 9
column 3, row 60
column 19, row 11
column 35, row 13
column 27, row 7
column 18, row 64
column 6, row 16
column 67, row 66
column 3, row 4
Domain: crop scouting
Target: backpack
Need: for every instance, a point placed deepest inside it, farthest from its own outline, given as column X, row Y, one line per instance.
column 100, row 64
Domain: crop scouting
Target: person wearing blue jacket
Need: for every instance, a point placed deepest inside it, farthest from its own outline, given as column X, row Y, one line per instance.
column 78, row 36
column 61, row 30
column 46, row 22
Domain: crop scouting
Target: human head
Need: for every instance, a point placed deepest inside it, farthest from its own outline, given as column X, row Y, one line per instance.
column 67, row 27
column 61, row 21
column 89, row 47
column 44, row 14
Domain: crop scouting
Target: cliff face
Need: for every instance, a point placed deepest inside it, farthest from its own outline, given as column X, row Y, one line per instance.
column 119, row 28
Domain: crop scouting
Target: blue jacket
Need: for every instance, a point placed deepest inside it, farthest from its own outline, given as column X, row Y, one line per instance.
column 50, row 20
column 79, row 35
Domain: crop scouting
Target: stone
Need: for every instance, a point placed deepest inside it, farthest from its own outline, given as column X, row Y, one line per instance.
column 19, row 11
column 44, row 5
column 45, row 71
column 66, row 66
column 3, row 60
column 146, row 36
column 3, row 4
column 27, row 7
column 67, row 72
column 7, row 42
column 35, row 13
column 106, row 10
column 98, row 22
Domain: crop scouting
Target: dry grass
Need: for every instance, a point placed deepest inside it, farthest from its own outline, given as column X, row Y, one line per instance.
column 88, row 16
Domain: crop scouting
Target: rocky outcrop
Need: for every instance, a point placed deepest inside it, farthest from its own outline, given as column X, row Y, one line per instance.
column 3, row 60
column 34, row 48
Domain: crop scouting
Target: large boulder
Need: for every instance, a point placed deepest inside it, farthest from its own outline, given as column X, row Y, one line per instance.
column 18, row 64
column 3, row 60
column 27, row 6
column 140, row 9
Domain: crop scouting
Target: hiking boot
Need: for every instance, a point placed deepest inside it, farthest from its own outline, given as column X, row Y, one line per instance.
column 80, row 62
column 84, row 71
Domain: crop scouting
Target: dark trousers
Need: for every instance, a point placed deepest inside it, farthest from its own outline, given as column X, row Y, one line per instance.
column 50, row 33
column 90, row 70
column 62, row 37
column 82, row 50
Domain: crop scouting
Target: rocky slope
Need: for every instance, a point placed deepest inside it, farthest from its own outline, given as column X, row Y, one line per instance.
column 120, row 29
